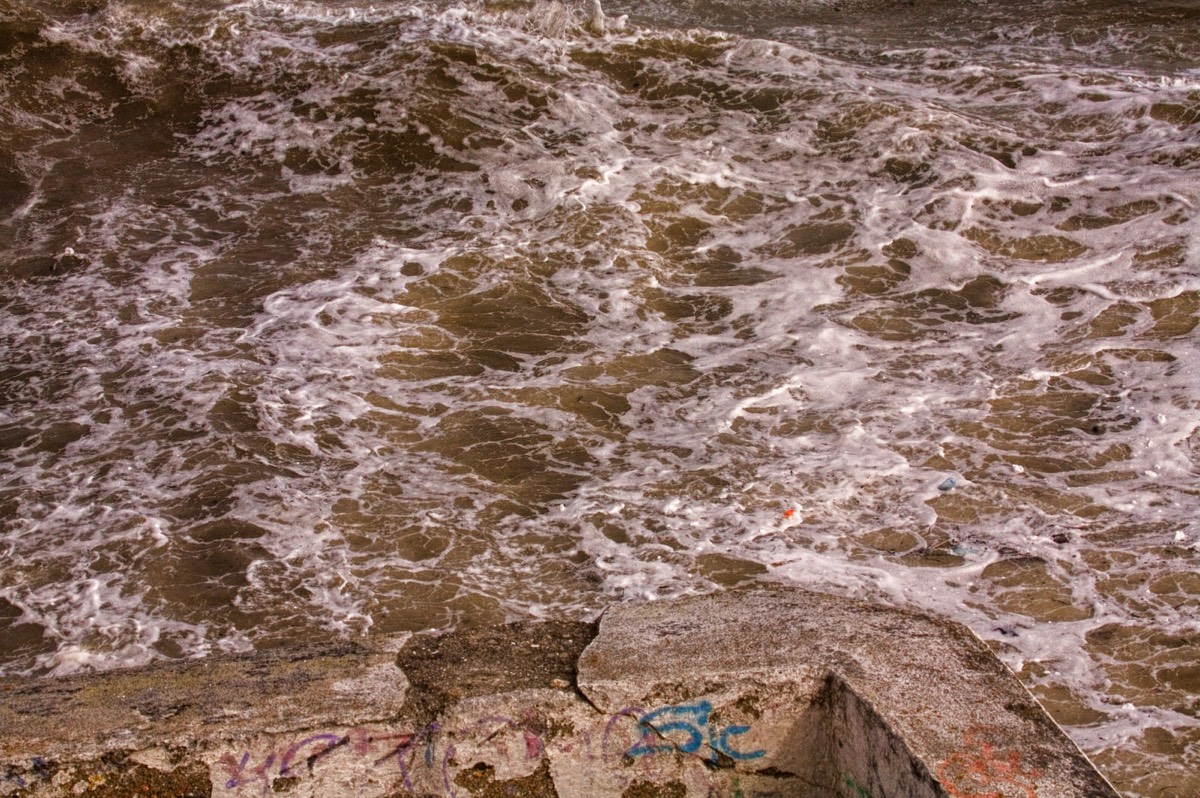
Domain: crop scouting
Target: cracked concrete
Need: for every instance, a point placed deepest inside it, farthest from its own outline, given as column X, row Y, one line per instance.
column 760, row 692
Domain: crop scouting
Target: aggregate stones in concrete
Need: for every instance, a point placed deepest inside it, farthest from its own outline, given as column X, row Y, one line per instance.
column 763, row 691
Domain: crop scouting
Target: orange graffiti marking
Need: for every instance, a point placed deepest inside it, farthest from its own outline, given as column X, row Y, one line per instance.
column 982, row 771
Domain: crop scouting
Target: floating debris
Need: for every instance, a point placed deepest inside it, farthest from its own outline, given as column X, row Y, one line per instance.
column 948, row 484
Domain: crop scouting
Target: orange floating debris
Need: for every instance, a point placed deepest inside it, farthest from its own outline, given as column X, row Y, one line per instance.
column 789, row 512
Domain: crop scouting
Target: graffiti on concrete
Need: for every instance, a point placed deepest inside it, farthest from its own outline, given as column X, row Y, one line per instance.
column 692, row 722
column 283, row 763
column 631, row 734
column 635, row 738
column 856, row 789
column 39, row 769
column 980, row 770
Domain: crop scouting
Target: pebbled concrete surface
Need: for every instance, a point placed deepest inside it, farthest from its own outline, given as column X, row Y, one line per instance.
column 760, row 692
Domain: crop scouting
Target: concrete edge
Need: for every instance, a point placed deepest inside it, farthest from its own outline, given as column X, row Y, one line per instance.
column 767, row 691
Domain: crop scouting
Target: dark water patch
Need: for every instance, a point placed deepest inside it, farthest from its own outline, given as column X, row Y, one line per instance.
column 1179, row 114
column 209, row 562
column 875, row 279
column 663, row 368
column 1060, row 410
column 57, row 437
column 45, row 267
column 808, row 240
column 1008, row 153
column 931, row 312
column 517, row 318
column 1174, row 317
column 728, row 571
column 843, row 126
column 14, row 189
column 721, row 269
column 19, row 638
column 914, row 174
column 15, row 436
column 412, row 148
column 18, row 28
column 55, row 81
column 523, row 458
column 437, row 365
column 1118, row 214
column 1045, row 248
column 705, row 310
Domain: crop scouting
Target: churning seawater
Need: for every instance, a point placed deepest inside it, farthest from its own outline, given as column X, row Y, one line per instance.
column 349, row 318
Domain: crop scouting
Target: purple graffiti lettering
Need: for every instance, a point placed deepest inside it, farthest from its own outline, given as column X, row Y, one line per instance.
column 685, row 728
column 505, row 723
column 449, row 785
column 37, row 765
column 359, row 740
column 363, row 740
column 237, row 768
column 627, row 712
column 331, row 741
column 407, row 749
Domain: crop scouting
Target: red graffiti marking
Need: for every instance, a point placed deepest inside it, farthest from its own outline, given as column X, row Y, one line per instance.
column 982, row 771
column 534, row 747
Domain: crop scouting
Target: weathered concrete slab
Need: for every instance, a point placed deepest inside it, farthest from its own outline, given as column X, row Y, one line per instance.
column 863, row 700
column 179, row 703
column 765, row 692
column 111, row 734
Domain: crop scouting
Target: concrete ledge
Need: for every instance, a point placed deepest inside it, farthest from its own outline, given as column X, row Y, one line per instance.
column 763, row 692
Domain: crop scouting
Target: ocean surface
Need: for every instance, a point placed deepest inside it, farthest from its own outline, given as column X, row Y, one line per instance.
column 341, row 319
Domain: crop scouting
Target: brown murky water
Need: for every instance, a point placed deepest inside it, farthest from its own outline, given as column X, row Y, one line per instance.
column 336, row 319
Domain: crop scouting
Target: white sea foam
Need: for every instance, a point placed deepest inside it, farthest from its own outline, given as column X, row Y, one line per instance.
column 744, row 300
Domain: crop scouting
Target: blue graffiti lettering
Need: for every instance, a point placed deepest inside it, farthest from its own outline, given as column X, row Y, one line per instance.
column 722, row 744
column 655, row 726
column 693, row 721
